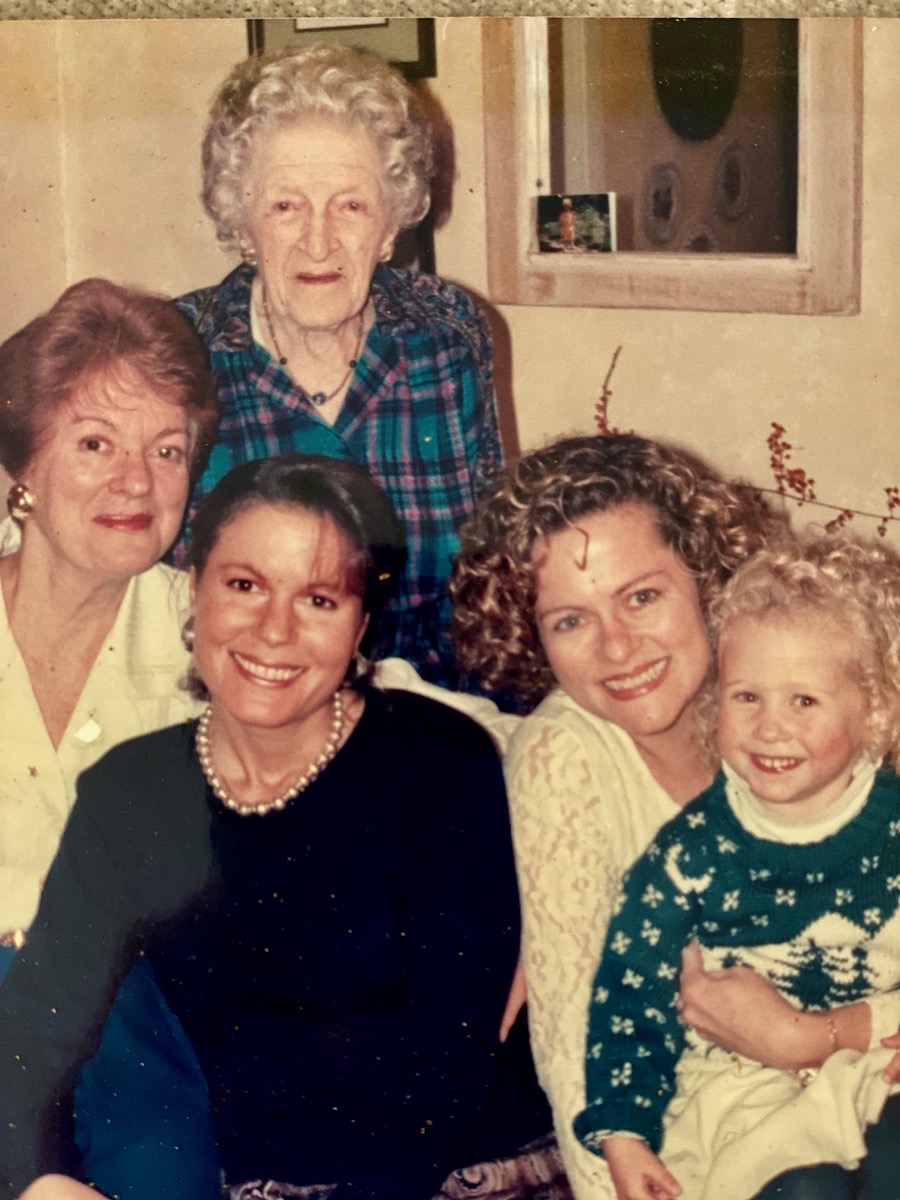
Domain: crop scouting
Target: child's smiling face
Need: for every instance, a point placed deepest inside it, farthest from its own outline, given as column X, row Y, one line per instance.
column 793, row 718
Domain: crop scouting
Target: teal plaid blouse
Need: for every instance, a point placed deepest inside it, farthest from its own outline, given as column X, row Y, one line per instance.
column 420, row 415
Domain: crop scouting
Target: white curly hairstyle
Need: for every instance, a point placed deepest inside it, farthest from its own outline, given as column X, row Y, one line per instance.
column 326, row 79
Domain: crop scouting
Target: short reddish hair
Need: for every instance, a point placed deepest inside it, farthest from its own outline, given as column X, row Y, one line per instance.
column 96, row 328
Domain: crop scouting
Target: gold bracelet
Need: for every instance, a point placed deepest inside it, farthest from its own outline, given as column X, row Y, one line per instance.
column 832, row 1033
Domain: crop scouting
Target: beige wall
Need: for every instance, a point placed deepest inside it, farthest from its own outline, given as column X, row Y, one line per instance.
column 100, row 127
column 32, row 234
column 99, row 134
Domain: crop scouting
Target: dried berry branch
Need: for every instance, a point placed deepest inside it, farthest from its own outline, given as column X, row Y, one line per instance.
column 893, row 503
column 838, row 522
column 794, row 484
column 601, row 408
column 791, row 482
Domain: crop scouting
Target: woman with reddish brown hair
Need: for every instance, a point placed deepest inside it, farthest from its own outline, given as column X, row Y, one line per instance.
column 107, row 407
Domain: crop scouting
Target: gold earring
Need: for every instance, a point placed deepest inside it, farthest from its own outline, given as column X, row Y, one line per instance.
column 20, row 501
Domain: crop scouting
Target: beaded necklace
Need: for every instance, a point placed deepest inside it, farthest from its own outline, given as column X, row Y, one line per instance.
column 204, row 754
column 317, row 398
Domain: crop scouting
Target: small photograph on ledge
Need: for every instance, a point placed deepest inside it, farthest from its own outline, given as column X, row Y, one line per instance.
column 577, row 223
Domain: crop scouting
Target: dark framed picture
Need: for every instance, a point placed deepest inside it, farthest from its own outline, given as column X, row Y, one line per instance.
column 407, row 42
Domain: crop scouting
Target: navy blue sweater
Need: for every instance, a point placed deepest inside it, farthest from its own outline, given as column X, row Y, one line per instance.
column 341, row 967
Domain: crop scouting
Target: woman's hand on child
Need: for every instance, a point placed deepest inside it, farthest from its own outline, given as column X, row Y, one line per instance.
column 734, row 1008
column 741, row 1012
column 636, row 1171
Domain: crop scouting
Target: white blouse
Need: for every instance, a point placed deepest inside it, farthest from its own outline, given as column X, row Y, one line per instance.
column 132, row 689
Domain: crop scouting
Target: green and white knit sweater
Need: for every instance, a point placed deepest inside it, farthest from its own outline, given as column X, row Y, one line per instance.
column 820, row 920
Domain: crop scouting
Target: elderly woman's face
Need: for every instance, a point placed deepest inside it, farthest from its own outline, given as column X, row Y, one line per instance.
column 276, row 624
column 620, row 621
column 111, row 480
column 318, row 218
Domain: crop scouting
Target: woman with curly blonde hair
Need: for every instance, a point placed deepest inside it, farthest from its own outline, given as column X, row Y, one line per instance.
column 582, row 588
column 788, row 864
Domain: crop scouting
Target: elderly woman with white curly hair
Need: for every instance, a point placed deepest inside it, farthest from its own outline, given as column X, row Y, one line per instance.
column 313, row 161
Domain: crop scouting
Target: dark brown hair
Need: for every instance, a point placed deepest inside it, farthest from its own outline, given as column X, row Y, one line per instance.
column 93, row 330
column 340, row 491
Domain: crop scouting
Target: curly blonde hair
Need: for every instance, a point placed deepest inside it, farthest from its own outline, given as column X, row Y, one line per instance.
column 711, row 524
column 853, row 583
column 269, row 91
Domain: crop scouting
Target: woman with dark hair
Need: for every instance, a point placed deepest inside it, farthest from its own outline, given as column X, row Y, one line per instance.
column 338, row 926
column 107, row 408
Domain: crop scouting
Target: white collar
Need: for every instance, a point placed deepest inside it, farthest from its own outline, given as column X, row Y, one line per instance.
column 761, row 821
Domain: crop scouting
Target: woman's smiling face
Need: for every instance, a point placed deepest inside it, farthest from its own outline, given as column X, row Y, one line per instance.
column 794, row 720
column 111, row 478
column 276, row 621
column 619, row 618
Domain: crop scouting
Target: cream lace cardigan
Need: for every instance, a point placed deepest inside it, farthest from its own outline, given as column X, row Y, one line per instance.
column 583, row 806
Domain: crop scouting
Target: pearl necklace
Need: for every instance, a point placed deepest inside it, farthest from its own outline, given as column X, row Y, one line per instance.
column 204, row 753
column 317, row 398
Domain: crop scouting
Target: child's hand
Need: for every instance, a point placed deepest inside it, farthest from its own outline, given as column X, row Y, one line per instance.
column 636, row 1171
